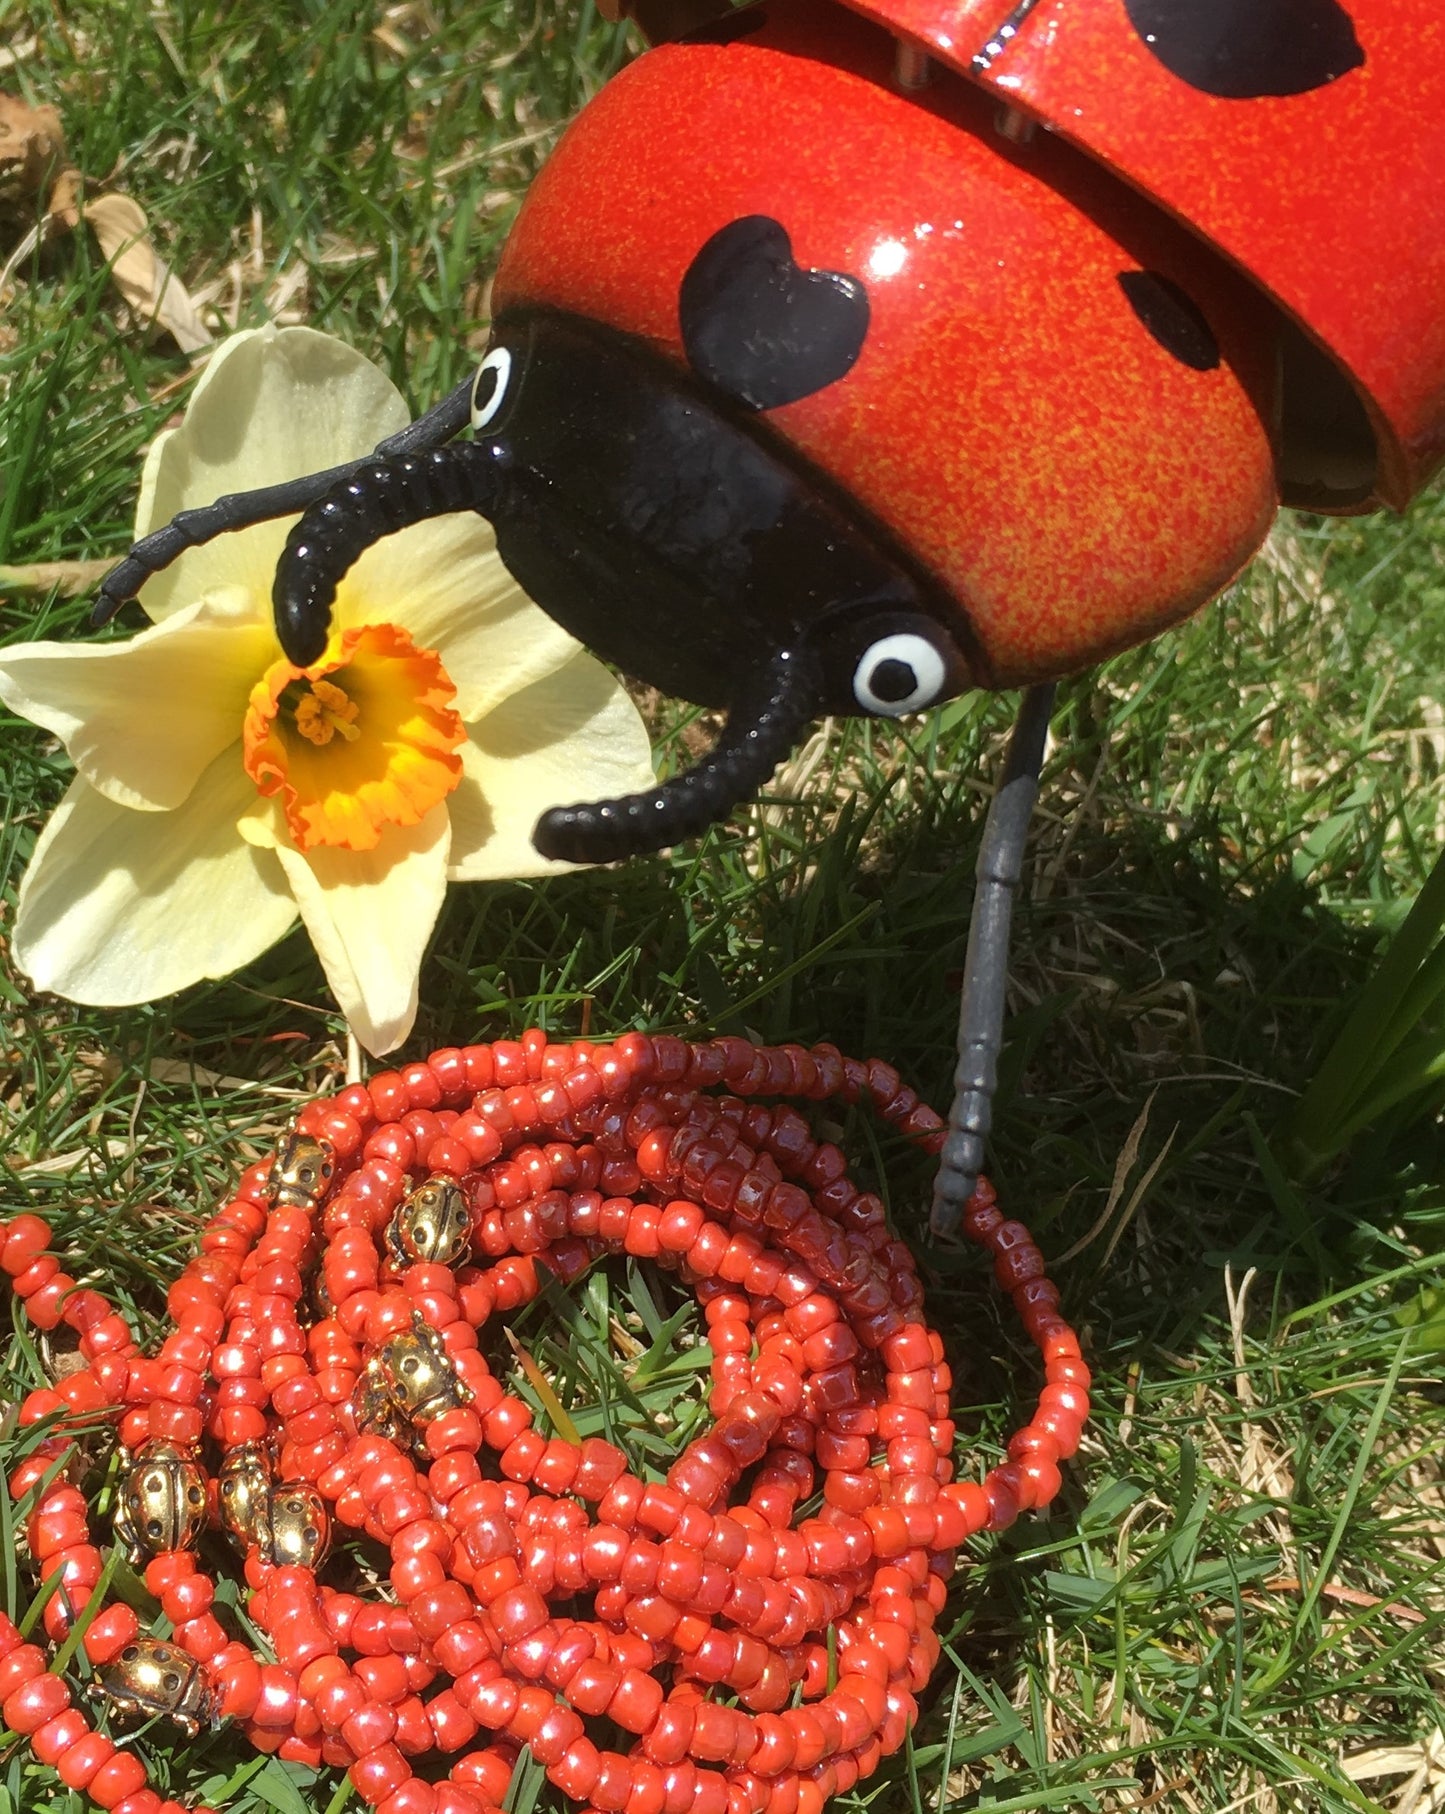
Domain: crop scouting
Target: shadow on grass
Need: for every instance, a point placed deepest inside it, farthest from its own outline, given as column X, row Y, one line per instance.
column 1145, row 971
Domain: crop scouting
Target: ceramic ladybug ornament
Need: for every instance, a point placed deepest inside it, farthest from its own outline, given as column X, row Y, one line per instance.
column 848, row 356
column 821, row 381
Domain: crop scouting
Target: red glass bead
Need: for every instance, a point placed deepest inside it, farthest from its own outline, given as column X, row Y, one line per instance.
column 21, row 1664
column 25, row 1238
column 452, row 1726
column 554, row 1735
column 413, row 1797
column 51, row 1741
column 1062, row 1427
column 370, row 1727
column 39, row 1272
column 454, row 1798
column 380, row 1774
column 30, row 1706
column 143, row 1801
column 77, row 1766
column 120, row 1775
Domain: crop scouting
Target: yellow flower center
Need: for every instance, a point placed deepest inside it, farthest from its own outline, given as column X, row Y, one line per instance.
column 365, row 738
column 323, row 710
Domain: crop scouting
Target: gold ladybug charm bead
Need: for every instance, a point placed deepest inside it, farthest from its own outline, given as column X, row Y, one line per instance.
column 431, row 1226
column 151, row 1677
column 161, row 1503
column 297, row 1528
column 407, row 1383
column 243, row 1486
column 302, row 1168
column 284, row 1521
column 372, row 1407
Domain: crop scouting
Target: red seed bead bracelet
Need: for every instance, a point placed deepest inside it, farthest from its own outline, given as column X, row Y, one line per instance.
column 324, row 1368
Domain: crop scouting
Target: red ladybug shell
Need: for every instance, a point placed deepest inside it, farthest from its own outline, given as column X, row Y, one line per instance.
column 1010, row 419
column 1304, row 138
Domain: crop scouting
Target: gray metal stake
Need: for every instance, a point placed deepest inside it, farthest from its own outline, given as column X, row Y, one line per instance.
column 985, row 972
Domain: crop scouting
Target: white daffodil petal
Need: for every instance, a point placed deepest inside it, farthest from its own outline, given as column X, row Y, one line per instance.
column 263, row 824
column 272, row 405
column 119, row 907
column 142, row 720
column 444, row 583
column 573, row 736
column 370, row 914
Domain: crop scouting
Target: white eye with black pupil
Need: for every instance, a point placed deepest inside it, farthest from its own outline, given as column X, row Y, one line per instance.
column 898, row 673
column 490, row 387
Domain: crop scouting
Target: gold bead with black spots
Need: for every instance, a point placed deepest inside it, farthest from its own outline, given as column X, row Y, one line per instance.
column 302, row 1168
column 431, row 1226
column 242, row 1489
column 407, row 1383
column 150, row 1677
column 161, row 1501
column 295, row 1529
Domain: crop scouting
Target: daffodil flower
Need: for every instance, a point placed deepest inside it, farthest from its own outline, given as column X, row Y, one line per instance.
column 220, row 791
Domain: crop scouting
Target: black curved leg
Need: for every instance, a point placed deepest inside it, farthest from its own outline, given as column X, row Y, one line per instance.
column 985, row 974
column 375, row 499
column 761, row 728
column 242, row 509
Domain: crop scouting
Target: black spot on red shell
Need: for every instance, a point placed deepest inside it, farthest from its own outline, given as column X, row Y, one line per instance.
column 1173, row 317
column 762, row 328
column 1241, row 50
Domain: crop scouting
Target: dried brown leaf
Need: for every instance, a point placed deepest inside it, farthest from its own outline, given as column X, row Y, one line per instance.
column 65, row 197
column 199, row 1076
column 57, row 1164
column 148, row 284
column 61, row 216
column 71, row 578
column 32, row 149
column 19, row 52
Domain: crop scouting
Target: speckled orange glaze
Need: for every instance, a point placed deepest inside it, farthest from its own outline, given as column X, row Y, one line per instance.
column 1073, row 485
column 1332, row 200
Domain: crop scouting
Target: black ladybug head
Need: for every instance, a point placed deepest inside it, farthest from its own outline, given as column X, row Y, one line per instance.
column 654, row 514
column 651, row 511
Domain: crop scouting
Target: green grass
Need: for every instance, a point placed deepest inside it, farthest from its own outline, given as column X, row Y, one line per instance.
column 1240, row 1590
